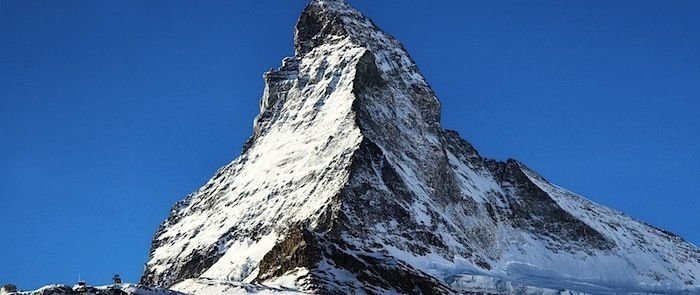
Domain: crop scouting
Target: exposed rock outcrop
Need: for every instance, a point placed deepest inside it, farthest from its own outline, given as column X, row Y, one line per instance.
column 350, row 185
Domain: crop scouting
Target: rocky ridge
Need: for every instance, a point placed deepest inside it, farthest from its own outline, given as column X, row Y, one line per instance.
column 349, row 184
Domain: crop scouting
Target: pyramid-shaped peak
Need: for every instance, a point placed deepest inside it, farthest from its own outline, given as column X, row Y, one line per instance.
column 324, row 19
column 350, row 185
column 321, row 2
column 326, row 22
column 331, row 4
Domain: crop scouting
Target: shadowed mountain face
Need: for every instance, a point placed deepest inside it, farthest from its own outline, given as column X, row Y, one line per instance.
column 349, row 184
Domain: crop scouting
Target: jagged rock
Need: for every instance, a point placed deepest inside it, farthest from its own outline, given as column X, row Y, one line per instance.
column 115, row 289
column 298, row 249
column 8, row 289
column 350, row 185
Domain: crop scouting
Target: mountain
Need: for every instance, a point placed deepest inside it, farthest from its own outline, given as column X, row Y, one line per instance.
column 114, row 289
column 350, row 185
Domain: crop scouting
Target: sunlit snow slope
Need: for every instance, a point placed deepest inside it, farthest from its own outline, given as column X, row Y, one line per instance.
column 349, row 184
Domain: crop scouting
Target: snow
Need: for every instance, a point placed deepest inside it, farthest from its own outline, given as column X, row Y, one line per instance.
column 433, row 263
column 493, row 285
column 282, row 285
column 477, row 186
column 240, row 259
column 642, row 260
column 132, row 289
column 297, row 167
column 288, row 175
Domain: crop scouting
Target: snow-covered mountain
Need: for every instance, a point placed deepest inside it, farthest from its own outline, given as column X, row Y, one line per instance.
column 350, row 185
column 114, row 289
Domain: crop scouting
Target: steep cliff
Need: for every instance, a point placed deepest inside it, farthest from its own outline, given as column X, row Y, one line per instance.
column 349, row 184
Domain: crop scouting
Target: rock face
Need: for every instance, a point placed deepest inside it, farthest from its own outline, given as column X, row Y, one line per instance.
column 350, row 185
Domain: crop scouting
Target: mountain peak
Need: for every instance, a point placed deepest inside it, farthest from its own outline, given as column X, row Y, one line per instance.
column 321, row 20
column 350, row 185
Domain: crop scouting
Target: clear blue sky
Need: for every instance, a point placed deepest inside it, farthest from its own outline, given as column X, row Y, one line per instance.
column 110, row 111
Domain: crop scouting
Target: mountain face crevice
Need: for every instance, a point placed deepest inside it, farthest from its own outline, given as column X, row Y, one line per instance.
column 349, row 184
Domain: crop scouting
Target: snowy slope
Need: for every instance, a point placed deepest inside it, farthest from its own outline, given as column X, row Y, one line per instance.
column 349, row 184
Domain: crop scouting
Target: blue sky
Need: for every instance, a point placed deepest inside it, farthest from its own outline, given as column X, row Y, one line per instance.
column 110, row 111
